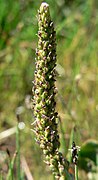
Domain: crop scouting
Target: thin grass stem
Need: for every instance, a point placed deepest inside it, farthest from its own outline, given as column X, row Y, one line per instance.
column 12, row 162
column 76, row 172
column 1, row 176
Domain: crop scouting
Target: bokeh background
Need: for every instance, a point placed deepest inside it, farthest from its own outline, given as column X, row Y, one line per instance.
column 76, row 24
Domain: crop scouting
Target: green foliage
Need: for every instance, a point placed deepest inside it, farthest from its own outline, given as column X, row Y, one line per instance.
column 89, row 151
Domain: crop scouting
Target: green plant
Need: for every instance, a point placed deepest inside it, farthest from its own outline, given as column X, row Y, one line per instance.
column 11, row 167
column 44, row 92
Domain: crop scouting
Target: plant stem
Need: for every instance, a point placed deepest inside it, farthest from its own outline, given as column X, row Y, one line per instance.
column 1, row 176
column 10, row 172
column 76, row 172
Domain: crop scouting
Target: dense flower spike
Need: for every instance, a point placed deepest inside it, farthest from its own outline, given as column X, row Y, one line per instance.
column 44, row 91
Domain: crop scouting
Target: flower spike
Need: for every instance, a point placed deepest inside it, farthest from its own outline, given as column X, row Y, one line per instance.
column 44, row 91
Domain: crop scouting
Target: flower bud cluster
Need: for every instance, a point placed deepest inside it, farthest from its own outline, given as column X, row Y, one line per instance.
column 44, row 91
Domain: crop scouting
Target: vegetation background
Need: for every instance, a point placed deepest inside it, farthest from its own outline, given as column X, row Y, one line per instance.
column 76, row 24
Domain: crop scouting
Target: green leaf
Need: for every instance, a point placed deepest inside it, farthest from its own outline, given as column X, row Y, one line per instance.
column 88, row 155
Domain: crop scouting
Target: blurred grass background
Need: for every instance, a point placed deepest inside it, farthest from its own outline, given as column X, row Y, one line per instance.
column 76, row 23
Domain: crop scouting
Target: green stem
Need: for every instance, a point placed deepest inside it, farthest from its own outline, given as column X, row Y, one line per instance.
column 70, row 143
column 76, row 172
column 1, row 176
column 63, row 138
column 10, row 172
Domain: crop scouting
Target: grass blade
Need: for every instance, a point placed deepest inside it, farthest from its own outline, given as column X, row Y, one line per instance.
column 10, row 172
